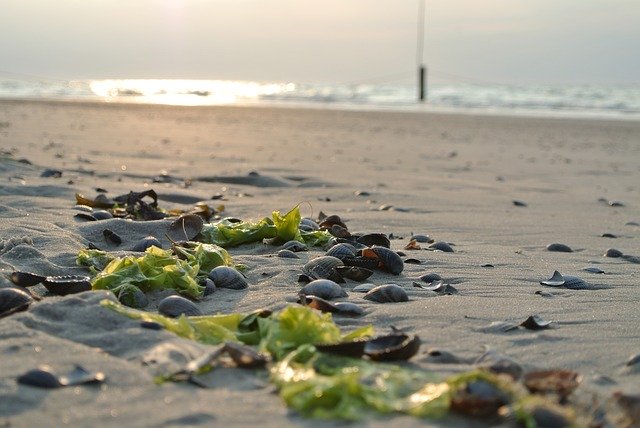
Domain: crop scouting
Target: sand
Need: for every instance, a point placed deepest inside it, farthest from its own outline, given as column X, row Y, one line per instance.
column 453, row 177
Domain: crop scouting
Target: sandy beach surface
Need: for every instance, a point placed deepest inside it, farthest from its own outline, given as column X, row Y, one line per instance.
column 452, row 177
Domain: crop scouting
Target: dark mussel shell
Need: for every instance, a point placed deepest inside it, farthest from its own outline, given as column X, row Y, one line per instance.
column 209, row 286
column 85, row 216
column 362, row 262
column 339, row 231
column 371, row 239
column 175, row 306
column 354, row 273
column 142, row 245
column 349, row 309
column 323, row 288
column 111, row 237
column 329, row 221
column 353, row 349
column 228, row 277
column 287, row 254
column 388, row 259
column 561, row 248
column 185, row 228
column 26, row 279
column 101, row 215
column 560, row 382
column 308, row 225
column 393, row 347
column 67, row 284
column 341, row 251
column 41, row 377
column 430, row 277
column 612, row 252
column 295, row 246
column 425, row 239
column 387, row 293
column 439, row 287
column 13, row 300
column 324, row 267
column 441, row 246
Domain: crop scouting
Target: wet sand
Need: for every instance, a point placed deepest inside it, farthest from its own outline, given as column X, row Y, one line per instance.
column 452, row 177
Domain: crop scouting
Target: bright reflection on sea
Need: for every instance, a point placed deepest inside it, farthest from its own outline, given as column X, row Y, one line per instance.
column 187, row 92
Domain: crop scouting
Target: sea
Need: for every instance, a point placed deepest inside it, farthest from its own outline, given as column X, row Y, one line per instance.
column 582, row 101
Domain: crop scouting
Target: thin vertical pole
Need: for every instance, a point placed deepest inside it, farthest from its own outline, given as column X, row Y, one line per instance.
column 422, row 69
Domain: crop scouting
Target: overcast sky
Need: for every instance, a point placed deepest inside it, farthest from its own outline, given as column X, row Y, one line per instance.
column 504, row 41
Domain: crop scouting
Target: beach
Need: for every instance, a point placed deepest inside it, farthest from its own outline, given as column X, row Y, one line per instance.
column 499, row 189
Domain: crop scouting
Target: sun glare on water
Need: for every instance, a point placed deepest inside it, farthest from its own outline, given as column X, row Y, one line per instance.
column 186, row 92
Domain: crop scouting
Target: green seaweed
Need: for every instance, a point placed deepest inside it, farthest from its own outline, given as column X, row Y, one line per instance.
column 278, row 228
column 157, row 269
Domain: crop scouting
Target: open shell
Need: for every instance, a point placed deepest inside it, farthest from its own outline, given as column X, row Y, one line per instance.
column 393, row 347
column 185, row 227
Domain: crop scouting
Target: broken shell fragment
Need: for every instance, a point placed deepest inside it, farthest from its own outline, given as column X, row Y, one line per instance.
column 185, row 227
column 67, row 284
column 393, row 347
column 535, row 322
column 556, row 280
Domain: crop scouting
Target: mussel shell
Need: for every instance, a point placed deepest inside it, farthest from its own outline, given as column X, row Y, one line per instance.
column 422, row 238
column 323, row 288
column 390, row 260
column 13, row 300
column 612, row 252
column 439, row 287
column 295, row 246
column 41, row 377
column 387, row 293
column 556, row 280
column 228, row 277
column 67, row 284
column 354, row 273
column 362, row 262
column 393, row 347
column 175, row 306
column 324, row 267
column 133, row 297
column 593, row 269
column 85, row 216
column 371, row 239
column 185, row 228
column 329, row 221
column 575, row 283
column 209, row 286
column 353, row 349
column 287, row 254
column 308, row 224
column 430, row 277
column 349, row 309
column 112, row 237
column 142, row 245
column 341, row 251
column 441, row 246
column 80, row 376
column 339, row 231
column 364, row 288
column 26, row 279
column 101, row 215
column 562, row 248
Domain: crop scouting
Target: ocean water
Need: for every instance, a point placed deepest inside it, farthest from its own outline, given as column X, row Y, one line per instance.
column 609, row 101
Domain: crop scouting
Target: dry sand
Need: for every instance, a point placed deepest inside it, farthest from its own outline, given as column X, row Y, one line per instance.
column 453, row 177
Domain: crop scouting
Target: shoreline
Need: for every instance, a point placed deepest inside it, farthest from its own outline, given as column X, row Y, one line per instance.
column 364, row 108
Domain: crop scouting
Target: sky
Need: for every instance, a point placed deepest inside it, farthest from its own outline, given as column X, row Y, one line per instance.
column 333, row 41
